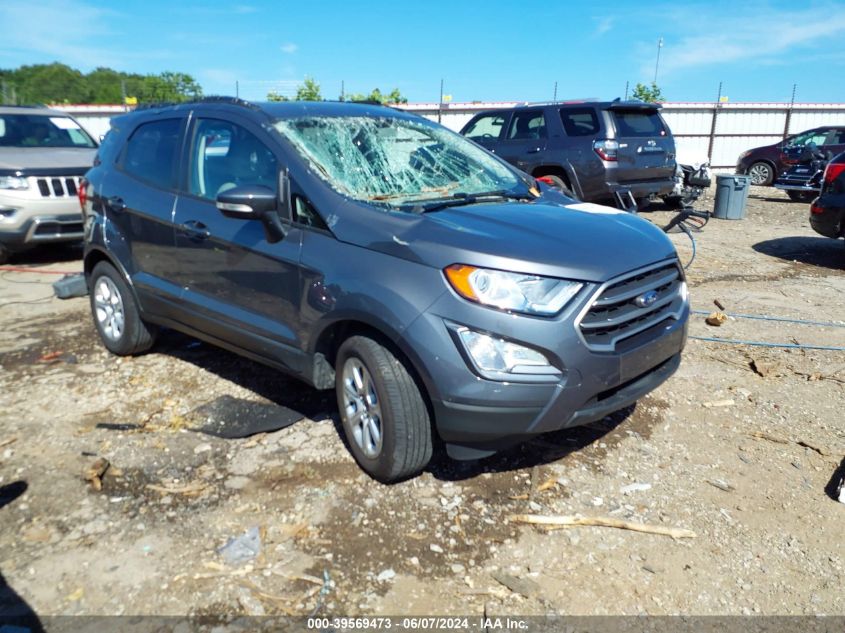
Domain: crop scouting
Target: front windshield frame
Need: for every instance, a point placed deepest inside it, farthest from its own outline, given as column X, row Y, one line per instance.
column 396, row 162
column 26, row 130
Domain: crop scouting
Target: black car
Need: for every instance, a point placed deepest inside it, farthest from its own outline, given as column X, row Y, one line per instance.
column 432, row 286
column 766, row 163
column 827, row 212
column 593, row 150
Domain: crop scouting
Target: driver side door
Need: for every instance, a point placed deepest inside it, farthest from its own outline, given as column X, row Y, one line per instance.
column 238, row 287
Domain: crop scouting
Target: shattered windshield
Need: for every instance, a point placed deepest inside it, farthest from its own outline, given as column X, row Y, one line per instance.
column 395, row 161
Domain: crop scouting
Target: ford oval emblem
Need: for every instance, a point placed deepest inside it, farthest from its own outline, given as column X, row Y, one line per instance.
column 647, row 299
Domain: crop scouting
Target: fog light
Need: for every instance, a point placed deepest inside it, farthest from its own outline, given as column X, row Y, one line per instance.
column 491, row 354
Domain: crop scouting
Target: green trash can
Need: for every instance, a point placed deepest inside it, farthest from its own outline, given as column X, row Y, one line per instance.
column 731, row 196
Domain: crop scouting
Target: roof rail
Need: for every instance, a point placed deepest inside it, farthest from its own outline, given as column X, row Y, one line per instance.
column 225, row 99
column 210, row 99
column 154, row 104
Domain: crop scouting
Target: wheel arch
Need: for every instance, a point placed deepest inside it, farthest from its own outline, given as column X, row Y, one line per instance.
column 327, row 341
column 565, row 173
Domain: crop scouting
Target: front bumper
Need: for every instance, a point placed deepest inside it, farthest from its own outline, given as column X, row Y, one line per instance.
column 476, row 417
column 42, row 229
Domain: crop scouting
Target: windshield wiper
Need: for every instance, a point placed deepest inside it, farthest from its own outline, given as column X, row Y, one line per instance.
column 461, row 198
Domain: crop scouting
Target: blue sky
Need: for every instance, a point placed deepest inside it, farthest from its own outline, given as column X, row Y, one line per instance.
column 483, row 50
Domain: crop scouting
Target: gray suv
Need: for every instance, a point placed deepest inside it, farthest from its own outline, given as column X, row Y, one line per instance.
column 435, row 288
column 595, row 151
column 43, row 154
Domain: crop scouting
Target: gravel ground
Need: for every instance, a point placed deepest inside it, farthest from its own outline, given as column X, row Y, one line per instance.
column 738, row 447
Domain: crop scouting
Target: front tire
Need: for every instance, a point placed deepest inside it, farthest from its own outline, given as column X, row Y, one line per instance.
column 116, row 315
column 559, row 183
column 762, row 174
column 384, row 415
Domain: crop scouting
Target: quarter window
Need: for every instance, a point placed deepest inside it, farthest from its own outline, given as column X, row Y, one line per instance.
column 579, row 121
column 150, row 154
column 224, row 155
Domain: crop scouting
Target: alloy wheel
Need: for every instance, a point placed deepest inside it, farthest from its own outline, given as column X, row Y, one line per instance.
column 362, row 407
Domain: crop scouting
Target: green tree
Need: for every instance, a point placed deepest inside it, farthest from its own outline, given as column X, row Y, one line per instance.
column 376, row 96
column 275, row 96
column 58, row 83
column 309, row 91
column 649, row 94
column 105, row 86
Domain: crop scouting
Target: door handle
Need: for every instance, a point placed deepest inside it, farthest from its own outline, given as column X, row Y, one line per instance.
column 536, row 150
column 116, row 204
column 195, row 230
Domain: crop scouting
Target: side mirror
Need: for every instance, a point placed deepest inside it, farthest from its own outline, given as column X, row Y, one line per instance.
column 257, row 202
column 246, row 203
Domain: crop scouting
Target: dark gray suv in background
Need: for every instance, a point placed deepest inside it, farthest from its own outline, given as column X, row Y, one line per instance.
column 592, row 150
column 371, row 251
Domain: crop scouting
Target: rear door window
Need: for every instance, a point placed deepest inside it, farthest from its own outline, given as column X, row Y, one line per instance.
column 638, row 123
column 527, row 125
column 579, row 121
column 486, row 127
column 151, row 152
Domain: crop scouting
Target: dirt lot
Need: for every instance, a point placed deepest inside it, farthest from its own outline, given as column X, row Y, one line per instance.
column 740, row 457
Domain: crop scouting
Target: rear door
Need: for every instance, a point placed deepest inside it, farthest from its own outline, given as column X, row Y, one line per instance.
column 139, row 198
column 646, row 147
column 525, row 139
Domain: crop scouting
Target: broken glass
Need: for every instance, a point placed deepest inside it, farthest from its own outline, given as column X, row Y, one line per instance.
column 396, row 161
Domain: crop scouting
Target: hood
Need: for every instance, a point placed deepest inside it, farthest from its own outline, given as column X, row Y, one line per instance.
column 45, row 159
column 580, row 241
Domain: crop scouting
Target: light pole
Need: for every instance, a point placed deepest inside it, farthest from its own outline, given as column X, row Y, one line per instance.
column 657, row 63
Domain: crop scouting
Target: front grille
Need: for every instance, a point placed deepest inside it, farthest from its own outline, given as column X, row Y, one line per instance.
column 57, row 229
column 58, row 187
column 614, row 314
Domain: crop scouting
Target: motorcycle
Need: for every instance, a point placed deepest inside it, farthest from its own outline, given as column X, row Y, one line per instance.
column 802, row 182
column 690, row 183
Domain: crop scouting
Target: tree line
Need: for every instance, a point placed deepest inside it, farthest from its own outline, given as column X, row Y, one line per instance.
column 58, row 83
column 309, row 90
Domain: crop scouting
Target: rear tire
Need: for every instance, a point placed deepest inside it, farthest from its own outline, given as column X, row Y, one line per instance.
column 116, row 315
column 4, row 254
column 762, row 174
column 385, row 418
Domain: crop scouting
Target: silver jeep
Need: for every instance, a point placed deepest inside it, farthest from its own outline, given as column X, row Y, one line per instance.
column 43, row 155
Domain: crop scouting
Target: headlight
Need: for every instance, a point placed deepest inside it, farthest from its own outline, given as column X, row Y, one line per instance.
column 511, row 291
column 13, row 182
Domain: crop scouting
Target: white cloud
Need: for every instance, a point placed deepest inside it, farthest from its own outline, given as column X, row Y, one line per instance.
column 290, row 48
column 756, row 34
column 604, row 25
column 37, row 29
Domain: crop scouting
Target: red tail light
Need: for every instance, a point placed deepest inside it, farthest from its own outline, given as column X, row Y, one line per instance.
column 832, row 172
column 606, row 149
column 546, row 180
column 82, row 193
column 815, row 208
